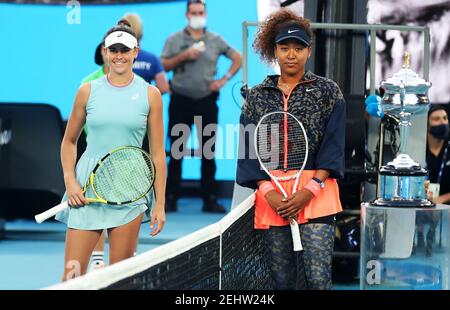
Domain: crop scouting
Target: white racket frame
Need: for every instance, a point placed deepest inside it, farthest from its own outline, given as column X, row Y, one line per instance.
column 295, row 231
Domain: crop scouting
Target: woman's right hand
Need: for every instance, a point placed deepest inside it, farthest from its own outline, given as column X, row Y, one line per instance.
column 191, row 53
column 75, row 195
column 275, row 200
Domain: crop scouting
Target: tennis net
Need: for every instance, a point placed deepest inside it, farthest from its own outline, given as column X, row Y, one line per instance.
column 227, row 255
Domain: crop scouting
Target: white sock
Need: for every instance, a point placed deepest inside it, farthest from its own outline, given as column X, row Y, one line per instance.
column 97, row 256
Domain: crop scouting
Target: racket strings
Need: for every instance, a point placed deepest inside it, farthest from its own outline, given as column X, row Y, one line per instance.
column 125, row 175
column 273, row 142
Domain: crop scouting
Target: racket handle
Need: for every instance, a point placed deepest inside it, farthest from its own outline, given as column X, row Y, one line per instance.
column 51, row 212
column 295, row 231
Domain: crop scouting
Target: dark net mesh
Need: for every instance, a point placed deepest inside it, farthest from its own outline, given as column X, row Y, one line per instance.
column 244, row 257
column 228, row 255
column 243, row 264
column 195, row 269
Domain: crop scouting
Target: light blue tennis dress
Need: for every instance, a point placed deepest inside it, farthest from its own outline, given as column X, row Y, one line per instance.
column 116, row 116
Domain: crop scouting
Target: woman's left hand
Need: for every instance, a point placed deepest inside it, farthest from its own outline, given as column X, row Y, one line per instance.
column 158, row 218
column 295, row 203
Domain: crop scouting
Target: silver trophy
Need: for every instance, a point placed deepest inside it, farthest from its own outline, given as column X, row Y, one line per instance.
column 402, row 182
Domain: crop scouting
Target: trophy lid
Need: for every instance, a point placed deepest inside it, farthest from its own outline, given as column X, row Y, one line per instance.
column 406, row 80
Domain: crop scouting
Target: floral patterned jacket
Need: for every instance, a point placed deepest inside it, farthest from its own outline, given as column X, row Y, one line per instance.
column 318, row 104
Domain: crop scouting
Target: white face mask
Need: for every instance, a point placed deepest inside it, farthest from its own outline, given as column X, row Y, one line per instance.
column 197, row 22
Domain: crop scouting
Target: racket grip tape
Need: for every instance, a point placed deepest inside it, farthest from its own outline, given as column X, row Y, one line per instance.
column 295, row 231
column 51, row 212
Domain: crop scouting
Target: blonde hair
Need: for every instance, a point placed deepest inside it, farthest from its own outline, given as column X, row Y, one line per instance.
column 136, row 24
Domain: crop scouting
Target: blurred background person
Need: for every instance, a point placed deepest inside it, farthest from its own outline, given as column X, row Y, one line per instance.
column 438, row 159
column 438, row 165
column 192, row 55
column 99, row 58
column 147, row 65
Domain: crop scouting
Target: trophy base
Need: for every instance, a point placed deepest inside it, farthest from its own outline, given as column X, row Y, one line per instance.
column 423, row 203
column 403, row 186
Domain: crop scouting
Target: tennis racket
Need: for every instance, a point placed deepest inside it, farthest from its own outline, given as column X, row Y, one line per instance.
column 281, row 147
column 124, row 175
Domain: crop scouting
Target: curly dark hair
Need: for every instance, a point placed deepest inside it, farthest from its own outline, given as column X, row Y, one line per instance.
column 264, row 43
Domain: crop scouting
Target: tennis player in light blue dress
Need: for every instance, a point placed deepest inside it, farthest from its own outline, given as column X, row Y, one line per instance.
column 118, row 108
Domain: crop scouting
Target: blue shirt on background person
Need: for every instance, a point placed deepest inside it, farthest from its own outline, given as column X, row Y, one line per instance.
column 147, row 66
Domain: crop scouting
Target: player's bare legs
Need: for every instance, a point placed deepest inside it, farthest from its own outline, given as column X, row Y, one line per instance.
column 79, row 246
column 123, row 240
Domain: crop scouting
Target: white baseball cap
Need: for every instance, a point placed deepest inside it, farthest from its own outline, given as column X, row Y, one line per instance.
column 121, row 37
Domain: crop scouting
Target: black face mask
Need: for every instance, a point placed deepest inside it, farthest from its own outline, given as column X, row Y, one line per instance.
column 440, row 131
